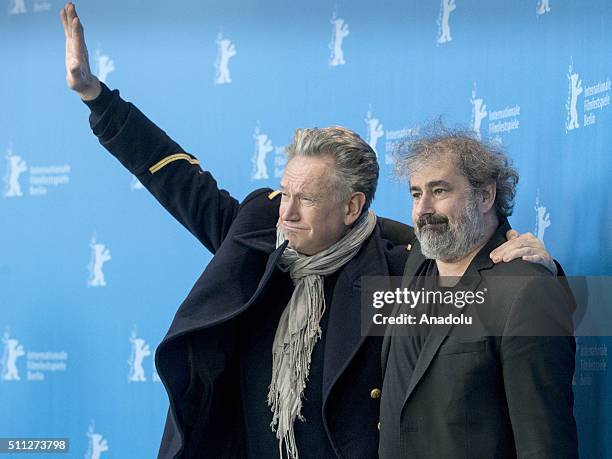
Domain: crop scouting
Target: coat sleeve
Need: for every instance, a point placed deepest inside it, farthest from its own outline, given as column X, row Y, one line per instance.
column 562, row 278
column 538, row 371
column 171, row 174
column 396, row 232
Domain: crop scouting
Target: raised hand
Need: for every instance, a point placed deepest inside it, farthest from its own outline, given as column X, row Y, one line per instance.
column 78, row 73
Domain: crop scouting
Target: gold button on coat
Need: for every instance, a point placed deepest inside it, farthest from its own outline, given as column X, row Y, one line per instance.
column 375, row 393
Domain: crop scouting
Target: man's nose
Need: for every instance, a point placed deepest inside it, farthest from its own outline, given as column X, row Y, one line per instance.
column 424, row 206
column 289, row 210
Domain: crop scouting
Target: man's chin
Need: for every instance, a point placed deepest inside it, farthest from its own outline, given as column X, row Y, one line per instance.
column 293, row 244
column 299, row 247
column 439, row 255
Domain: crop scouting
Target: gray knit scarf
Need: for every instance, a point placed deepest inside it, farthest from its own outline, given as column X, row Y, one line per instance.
column 298, row 328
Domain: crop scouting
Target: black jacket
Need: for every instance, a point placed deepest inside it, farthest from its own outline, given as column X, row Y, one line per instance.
column 505, row 395
column 195, row 360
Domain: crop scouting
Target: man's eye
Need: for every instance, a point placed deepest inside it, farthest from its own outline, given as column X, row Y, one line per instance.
column 416, row 195
column 439, row 191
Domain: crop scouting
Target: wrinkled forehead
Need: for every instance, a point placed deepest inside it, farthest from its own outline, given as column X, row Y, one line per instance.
column 308, row 174
column 434, row 169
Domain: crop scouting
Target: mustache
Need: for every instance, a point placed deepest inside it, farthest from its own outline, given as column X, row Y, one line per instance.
column 431, row 219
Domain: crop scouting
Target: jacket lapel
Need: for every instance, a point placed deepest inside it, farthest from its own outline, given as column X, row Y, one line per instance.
column 260, row 240
column 344, row 327
column 265, row 241
column 271, row 263
column 414, row 262
column 468, row 282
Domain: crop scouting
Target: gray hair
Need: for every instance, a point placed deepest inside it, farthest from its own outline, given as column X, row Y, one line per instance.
column 356, row 166
column 481, row 163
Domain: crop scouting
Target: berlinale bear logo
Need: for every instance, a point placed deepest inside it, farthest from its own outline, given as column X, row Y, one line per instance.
column 140, row 350
column 97, row 444
column 479, row 112
column 17, row 7
column 340, row 32
column 444, row 33
column 225, row 51
column 15, row 167
column 263, row 146
column 542, row 219
column 575, row 89
column 99, row 255
column 12, row 351
column 375, row 130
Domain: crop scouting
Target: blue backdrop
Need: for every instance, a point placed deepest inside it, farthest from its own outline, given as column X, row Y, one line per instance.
column 92, row 268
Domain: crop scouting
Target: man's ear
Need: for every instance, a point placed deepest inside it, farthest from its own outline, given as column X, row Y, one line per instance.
column 487, row 200
column 354, row 208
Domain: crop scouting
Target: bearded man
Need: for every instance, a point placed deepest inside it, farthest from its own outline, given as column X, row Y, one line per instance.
column 497, row 390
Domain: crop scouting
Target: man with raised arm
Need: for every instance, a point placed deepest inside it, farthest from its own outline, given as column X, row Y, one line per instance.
column 265, row 357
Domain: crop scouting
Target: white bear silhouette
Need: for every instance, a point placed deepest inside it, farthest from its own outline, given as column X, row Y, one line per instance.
column 16, row 166
column 446, row 8
column 12, row 350
column 340, row 32
column 225, row 51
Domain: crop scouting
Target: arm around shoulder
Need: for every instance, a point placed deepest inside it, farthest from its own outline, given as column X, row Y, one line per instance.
column 396, row 232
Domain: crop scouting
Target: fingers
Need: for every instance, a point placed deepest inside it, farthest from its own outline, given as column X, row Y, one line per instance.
column 528, row 253
column 70, row 12
column 64, row 19
column 511, row 250
column 75, row 28
column 527, row 237
column 512, row 234
column 78, row 35
column 544, row 261
column 533, row 258
column 524, row 240
column 498, row 254
column 513, row 254
column 68, row 15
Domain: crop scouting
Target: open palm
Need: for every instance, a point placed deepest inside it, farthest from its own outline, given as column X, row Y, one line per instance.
column 78, row 73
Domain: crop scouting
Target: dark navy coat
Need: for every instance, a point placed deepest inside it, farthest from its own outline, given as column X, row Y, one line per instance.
column 196, row 360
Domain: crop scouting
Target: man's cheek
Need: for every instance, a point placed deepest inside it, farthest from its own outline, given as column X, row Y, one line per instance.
column 415, row 218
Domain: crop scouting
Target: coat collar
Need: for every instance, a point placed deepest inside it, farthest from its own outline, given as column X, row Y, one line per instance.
column 469, row 281
column 262, row 239
column 482, row 261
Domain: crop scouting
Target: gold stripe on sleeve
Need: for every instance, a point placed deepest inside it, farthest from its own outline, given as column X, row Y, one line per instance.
column 274, row 194
column 168, row 159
